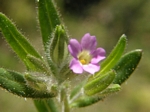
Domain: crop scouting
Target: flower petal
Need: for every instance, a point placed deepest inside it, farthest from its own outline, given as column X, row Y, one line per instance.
column 98, row 55
column 76, row 66
column 91, row 68
column 74, row 47
column 88, row 42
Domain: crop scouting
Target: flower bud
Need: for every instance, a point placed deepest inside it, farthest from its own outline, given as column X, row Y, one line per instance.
column 41, row 84
column 58, row 45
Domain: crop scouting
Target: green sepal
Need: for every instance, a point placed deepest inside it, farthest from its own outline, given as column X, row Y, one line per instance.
column 86, row 101
column 15, row 83
column 48, row 19
column 53, row 67
column 45, row 105
column 114, row 56
column 16, row 40
column 126, row 65
column 98, row 84
column 89, row 100
column 34, row 82
column 37, row 65
column 66, row 73
column 113, row 88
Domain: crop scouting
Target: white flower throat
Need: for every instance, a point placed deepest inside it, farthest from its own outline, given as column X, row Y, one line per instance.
column 84, row 57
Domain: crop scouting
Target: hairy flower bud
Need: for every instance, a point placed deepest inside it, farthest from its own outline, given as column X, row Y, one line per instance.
column 58, row 45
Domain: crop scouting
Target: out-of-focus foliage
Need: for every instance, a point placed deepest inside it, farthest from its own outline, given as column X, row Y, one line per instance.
column 105, row 19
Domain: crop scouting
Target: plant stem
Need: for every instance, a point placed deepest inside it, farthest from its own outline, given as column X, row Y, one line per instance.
column 45, row 105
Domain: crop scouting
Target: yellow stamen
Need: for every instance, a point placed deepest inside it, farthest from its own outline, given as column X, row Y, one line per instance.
column 83, row 61
column 84, row 57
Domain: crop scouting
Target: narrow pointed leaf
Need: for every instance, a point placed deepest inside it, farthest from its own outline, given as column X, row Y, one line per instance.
column 48, row 18
column 100, row 83
column 114, row 56
column 126, row 65
column 12, row 75
column 16, row 40
column 12, row 86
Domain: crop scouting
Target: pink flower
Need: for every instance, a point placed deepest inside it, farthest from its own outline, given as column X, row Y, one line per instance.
column 85, row 55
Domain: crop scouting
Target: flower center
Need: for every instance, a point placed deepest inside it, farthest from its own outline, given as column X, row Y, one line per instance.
column 84, row 57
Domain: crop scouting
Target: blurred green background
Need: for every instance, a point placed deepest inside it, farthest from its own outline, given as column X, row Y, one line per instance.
column 107, row 20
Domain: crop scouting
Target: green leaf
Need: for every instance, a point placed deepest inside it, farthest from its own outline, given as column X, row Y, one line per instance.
column 15, row 83
column 46, row 105
column 113, row 57
column 48, row 18
column 16, row 40
column 12, row 75
column 100, row 83
column 126, row 65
